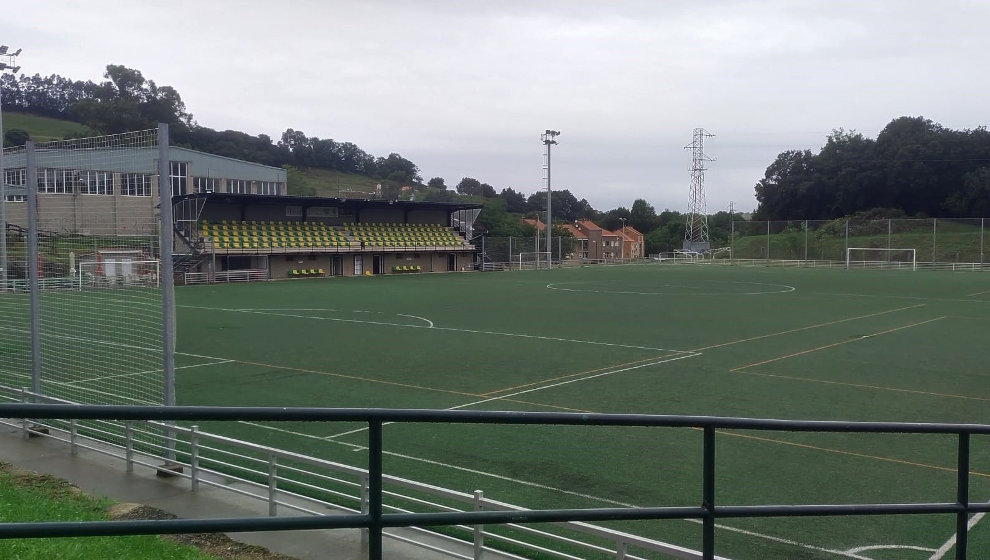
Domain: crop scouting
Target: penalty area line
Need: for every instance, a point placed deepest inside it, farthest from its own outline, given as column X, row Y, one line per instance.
column 947, row 546
column 119, row 375
column 535, row 389
column 531, row 484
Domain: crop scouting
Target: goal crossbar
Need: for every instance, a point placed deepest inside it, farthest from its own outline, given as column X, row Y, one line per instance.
column 534, row 259
column 884, row 255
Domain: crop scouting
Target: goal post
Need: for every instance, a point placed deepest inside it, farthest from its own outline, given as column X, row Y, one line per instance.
column 534, row 260
column 877, row 257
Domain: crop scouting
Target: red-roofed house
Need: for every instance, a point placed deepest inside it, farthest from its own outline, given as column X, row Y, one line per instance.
column 581, row 238
column 632, row 243
column 602, row 244
column 535, row 222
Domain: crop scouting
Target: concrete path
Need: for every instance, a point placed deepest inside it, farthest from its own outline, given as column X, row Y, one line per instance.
column 101, row 475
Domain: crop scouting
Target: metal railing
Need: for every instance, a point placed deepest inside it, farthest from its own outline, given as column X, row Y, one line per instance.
column 227, row 276
column 374, row 516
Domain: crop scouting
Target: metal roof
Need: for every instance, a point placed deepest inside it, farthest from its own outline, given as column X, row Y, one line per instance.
column 311, row 201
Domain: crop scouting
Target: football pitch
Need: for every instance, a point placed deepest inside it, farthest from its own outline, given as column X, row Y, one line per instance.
column 810, row 344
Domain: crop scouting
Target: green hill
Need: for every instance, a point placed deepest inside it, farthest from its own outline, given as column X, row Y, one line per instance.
column 43, row 129
column 311, row 181
column 316, row 181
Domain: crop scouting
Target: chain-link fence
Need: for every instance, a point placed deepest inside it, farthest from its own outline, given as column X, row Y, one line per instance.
column 937, row 243
column 81, row 298
column 500, row 253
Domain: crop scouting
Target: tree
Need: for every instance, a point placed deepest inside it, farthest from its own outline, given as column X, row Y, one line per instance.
column 126, row 101
column 469, row 185
column 914, row 166
column 397, row 168
column 15, row 137
column 515, row 202
column 437, row 183
column 642, row 216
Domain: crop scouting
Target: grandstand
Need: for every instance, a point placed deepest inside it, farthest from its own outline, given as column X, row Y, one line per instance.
column 306, row 237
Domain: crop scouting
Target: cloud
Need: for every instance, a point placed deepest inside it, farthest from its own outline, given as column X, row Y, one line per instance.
column 465, row 88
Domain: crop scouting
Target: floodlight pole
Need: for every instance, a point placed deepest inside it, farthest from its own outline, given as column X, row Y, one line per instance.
column 6, row 63
column 548, row 138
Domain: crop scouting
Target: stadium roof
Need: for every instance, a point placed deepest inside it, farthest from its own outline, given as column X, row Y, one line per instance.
column 315, row 201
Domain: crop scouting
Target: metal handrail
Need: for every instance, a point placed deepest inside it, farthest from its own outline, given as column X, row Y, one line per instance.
column 375, row 520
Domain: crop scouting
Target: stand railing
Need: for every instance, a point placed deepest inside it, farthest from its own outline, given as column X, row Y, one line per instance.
column 374, row 516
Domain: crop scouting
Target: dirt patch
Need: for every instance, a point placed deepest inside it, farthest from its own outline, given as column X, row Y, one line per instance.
column 214, row 544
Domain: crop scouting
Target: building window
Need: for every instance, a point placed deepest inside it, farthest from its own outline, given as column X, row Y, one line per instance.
column 177, row 177
column 268, row 187
column 15, row 178
column 135, row 184
column 237, row 186
column 56, row 181
column 206, row 184
column 95, row 182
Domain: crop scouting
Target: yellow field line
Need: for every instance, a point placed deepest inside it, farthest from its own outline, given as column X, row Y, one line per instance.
column 357, row 378
column 850, row 453
column 805, row 446
column 834, row 344
column 596, row 370
column 864, row 386
column 819, row 325
column 545, row 405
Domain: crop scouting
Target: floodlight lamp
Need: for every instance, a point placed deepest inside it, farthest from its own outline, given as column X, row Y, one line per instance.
column 2, row 66
column 17, row 52
column 3, row 49
column 15, row 69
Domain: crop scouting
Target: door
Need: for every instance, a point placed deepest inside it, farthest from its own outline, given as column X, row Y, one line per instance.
column 451, row 262
column 378, row 264
column 358, row 265
column 336, row 265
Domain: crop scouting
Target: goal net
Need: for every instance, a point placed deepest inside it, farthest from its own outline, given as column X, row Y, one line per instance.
column 529, row 261
column 875, row 257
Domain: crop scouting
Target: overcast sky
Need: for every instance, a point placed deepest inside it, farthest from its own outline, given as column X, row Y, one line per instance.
column 464, row 88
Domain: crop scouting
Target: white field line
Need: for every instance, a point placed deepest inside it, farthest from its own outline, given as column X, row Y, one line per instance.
column 785, row 289
column 535, row 389
column 432, row 327
column 978, row 293
column 945, row 548
column 104, row 378
column 530, row 484
column 859, row 549
column 913, row 298
column 102, row 392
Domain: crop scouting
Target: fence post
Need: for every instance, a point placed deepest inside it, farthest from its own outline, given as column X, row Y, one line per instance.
column 272, row 485
column 962, row 496
column 167, row 283
column 934, row 242
column 363, row 481
column 194, row 458
column 768, row 240
column 845, row 248
column 375, row 489
column 479, row 530
column 73, row 433
column 32, row 265
column 129, row 444
column 708, row 496
column 25, row 423
column 620, row 550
